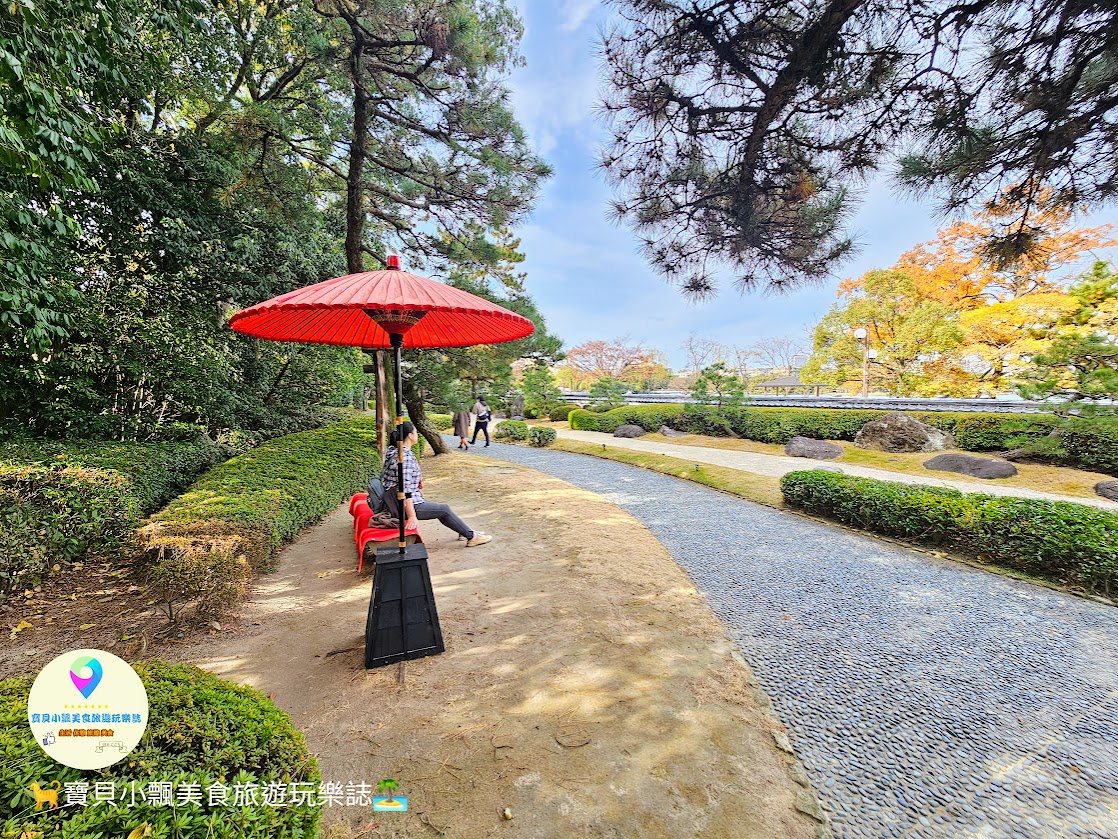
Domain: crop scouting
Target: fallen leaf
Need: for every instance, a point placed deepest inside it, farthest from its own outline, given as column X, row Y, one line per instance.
column 87, row 626
column 31, row 652
column 22, row 625
column 324, row 574
column 140, row 832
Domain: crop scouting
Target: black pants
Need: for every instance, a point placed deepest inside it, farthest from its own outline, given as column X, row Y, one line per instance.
column 482, row 427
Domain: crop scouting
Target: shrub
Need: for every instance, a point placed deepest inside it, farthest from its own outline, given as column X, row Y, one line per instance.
column 442, row 422
column 540, row 437
column 234, row 519
column 511, row 430
column 648, row 417
column 1091, row 444
column 563, row 412
column 974, row 431
column 62, row 501
column 201, row 730
column 1056, row 540
column 994, row 432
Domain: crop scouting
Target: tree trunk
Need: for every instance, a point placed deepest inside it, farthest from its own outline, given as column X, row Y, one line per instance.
column 355, row 219
column 418, row 415
column 383, row 409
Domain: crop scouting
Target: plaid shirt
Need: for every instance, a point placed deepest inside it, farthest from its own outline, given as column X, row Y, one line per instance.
column 412, row 477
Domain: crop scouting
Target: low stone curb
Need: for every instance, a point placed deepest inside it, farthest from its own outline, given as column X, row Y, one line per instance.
column 807, row 802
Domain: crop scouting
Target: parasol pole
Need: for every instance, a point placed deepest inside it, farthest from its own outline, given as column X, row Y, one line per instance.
column 397, row 343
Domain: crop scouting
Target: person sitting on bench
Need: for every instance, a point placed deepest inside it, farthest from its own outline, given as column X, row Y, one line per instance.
column 416, row 506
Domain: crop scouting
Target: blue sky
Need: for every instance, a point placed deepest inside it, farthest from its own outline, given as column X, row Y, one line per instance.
column 585, row 272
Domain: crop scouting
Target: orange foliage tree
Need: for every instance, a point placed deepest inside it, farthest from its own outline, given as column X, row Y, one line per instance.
column 1004, row 313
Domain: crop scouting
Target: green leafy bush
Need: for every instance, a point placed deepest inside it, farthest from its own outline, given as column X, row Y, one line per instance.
column 540, row 437
column 563, row 412
column 1068, row 543
column 201, row 730
column 62, row 501
column 974, row 431
column 648, row 417
column 234, row 519
column 154, row 472
column 511, row 430
column 443, row 422
column 1090, row 444
column 998, row 432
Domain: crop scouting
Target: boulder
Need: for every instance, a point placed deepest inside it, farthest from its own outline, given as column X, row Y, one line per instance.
column 968, row 464
column 897, row 432
column 828, row 467
column 815, row 449
column 1107, row 489
column 629, row 431
column 671, row 432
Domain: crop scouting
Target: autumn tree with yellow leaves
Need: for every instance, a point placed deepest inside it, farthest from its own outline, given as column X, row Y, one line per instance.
column 953, row 318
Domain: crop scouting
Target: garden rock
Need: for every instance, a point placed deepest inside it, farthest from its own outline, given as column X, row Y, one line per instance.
column 968, row 464
column 897, row 432
column 1107, row 489
column 629, row 431
column 671, row 432
column 807, row 447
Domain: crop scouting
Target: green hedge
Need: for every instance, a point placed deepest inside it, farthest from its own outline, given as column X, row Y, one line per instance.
column 563, row 412
column 442, row 422
column 60, row 502
column 540, row 437
column 648, row 417
column 1091, row 444
column 511, row 430
column 1064, row 542
column 973, row 431
column 205, row 544
column 202, row 730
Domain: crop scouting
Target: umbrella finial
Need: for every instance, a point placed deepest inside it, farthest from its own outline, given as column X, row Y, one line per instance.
column 393, row 263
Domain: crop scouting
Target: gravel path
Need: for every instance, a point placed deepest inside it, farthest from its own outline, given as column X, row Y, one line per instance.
column 776, row 465
column 926, row 699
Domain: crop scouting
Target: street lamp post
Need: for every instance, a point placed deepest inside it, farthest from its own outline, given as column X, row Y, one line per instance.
column 861, row 334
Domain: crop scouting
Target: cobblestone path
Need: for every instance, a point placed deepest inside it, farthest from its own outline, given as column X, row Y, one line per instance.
column 926, row 699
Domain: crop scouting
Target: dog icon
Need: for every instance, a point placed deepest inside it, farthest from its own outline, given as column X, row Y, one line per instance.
column 46, row 796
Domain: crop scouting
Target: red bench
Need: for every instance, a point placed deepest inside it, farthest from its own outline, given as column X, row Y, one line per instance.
column 363, row 534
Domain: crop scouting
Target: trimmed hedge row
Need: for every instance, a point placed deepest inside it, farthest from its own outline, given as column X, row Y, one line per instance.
column 1092, row 443
column 62, row 501
column 1055, row 540
column 205, row 544
column 563, row 412
column 973, row 431
column 201, row 730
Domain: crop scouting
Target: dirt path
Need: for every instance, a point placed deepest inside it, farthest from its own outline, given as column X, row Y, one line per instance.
column 586, row 685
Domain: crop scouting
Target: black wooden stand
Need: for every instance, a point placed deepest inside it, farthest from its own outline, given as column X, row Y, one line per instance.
column 403, row 622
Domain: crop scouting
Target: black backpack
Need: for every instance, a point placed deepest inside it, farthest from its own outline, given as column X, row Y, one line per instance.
column 376, row 496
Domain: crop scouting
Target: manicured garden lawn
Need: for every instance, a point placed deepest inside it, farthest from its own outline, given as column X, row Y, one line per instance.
column 1055, row 479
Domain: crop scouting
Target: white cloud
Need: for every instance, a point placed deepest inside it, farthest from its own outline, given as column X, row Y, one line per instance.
column 575, row 13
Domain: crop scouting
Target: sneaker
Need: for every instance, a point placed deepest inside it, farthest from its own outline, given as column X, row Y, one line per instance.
column 479, row 539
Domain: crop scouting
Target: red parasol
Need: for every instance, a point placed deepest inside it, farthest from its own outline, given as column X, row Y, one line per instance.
column 379, row 309
column 355, row 311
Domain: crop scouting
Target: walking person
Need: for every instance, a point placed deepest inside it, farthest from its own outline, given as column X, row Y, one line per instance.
column 482, row 412
column 462, row 427
column 416, row 507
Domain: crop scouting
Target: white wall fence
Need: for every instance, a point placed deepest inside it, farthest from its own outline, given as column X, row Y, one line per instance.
column 881, row 403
